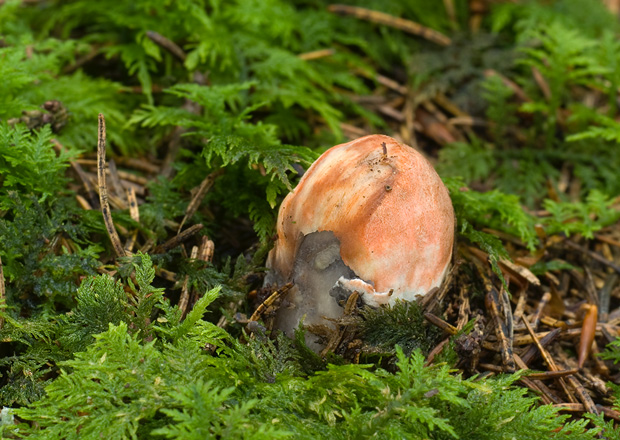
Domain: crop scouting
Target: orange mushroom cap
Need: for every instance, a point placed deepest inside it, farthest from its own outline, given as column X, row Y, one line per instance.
column 388, row 208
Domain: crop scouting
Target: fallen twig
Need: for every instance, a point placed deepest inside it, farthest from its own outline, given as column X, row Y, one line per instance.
column 594, row 255
column 548, row 360
column 395, row 22
column 205, row 185
column 103, row 190
column 167, row 44
column 269, row 301
column 178, row 239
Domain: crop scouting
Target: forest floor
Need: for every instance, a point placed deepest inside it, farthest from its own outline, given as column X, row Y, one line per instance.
column 515, row 103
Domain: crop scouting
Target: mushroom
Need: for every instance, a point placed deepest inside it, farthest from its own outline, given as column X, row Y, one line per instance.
column 371, row 216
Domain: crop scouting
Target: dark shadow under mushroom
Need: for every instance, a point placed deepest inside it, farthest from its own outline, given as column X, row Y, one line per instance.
column 316, row 293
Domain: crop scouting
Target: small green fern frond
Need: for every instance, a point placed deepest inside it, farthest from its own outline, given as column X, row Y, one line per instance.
column 401, row 325
column 583, row 218
column 473, row 161
column 609, row 130
column 492, row 209
column 29, row 164
column 100, row 301
column 500, row 111
column 225, row 128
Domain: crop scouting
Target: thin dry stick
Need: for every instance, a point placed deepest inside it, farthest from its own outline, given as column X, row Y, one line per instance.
column 527, row 339
column 492, row 302
column 521, row 271
column 79, row 62
column 437, row 321
column 178, row 239
column 518, row 91
column 542, row 84
column 103, row 190
column 139, row 164
column 166, row 274
column 316, row 54
column 553, row 396
column 608, row 240
column 115, row 180
column 591, row 290
column 464, row 309
column 594, row 255
column 467, row 121
column 532, row 385
column 548, row 360
column 391, row 112
column 148, row 245
column 580, row 407
column 205, row 185
column 532, row 351
column 435, row 351
column 269, row 301
column 552, row 322
column 409, row 127
column 391, row 84
column 395, row 22
column 443, row 101
column 508, row 319
column 205, row 253
column 547, row 396
column 113, row 200
column 498, row 306
column 134, row 212
column 583, row 395
column 207, row 247
column 167, row 44
column 338, row 335
column 552, row 374
column 613, row 6
column 131, row 242
column 133, row 178
column 33, row 2
column 539, row 309
column 519, row 309
column 609, row 412
column 351, row 131
column 83, row 202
